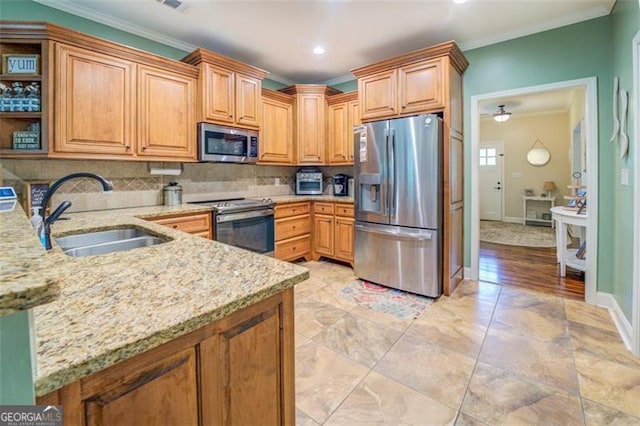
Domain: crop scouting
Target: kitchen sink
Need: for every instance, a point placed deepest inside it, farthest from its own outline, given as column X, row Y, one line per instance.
column 104, row 242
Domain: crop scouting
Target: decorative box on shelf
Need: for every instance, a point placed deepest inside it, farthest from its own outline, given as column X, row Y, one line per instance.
column 26, row 140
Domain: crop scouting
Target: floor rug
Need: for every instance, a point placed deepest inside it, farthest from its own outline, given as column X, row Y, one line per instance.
column 384, row 299
column 515, row 234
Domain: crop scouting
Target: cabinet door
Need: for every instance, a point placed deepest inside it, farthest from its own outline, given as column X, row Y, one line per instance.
column 166, row 126
column 323, row 234
column 421, row 87
column 94, row 102
column 248, row 96
column 310, row 128
column 276, row 134
column 378, row 95
column 338, row 124
column 162, row 393
column 354, row 120
column 218, row 94
column 241, row 371
column 344, row 235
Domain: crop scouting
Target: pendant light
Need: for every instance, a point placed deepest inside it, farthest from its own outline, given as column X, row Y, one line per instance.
column 501, row 115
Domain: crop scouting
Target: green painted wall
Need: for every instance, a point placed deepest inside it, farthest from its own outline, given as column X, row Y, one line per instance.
column 347, row 86
column 625, row 23
column 575, row 51
column 16, row 378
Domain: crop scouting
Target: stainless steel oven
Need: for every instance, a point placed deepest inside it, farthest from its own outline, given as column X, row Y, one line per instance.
column 248, row 224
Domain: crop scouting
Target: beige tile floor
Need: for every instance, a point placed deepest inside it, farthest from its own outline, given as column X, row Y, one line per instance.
column 487, row 355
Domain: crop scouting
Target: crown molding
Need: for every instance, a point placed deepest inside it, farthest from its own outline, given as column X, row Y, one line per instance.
column 533, row 29
column 84, row 12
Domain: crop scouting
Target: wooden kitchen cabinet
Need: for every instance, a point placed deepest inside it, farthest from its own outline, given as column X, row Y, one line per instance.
column 428, row 80
column 113, row 102
column 342, row 114
column 229, row 91
column 310, row 107
column 293, row 230
column 333, row 231
column 166, row 119
column 276, row 133
column 95, row 103
column 410, row 89
column 30, row 39
column 232, row 371
column 198, row 224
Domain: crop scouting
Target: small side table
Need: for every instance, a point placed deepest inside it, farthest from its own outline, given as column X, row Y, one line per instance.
column 567, row 257
column 526, row 199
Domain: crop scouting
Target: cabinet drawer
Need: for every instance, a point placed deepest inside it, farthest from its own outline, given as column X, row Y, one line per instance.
column 293, row 248
column 192, row 223
column 291, row 209
column 292, row 227
column 345, row 210
column 323, row 208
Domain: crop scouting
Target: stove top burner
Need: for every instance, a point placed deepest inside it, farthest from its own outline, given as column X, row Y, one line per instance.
column 237, row 204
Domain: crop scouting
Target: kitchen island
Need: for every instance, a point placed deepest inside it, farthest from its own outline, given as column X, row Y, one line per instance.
column 190, row 331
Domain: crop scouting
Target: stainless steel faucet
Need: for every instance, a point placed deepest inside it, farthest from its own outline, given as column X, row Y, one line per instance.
column 49, row 220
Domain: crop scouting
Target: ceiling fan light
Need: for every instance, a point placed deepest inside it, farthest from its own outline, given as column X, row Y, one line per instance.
column 501, row 115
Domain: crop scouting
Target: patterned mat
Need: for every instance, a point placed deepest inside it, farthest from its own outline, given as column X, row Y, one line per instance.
column 384, row 299
column 515, row 234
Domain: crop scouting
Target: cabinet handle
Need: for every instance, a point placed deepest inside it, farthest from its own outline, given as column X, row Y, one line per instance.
column 293, row 227
column 144, row 148
column 230, row 116
column 127, row 147
column 404, row 106
column 294, row 248
column 175, row 226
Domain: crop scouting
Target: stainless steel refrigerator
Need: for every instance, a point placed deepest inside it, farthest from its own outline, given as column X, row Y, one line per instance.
column 398, row 203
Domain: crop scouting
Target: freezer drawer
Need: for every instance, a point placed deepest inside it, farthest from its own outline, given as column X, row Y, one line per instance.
column 403, row 258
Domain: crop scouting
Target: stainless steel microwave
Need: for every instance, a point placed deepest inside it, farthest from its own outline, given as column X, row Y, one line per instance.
column 223, row 144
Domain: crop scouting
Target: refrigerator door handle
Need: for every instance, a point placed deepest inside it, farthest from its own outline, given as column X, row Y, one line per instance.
column 398, row 235
column 392, row 172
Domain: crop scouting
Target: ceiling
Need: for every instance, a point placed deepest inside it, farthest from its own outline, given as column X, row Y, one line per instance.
column 552, row 101
column 279, row 36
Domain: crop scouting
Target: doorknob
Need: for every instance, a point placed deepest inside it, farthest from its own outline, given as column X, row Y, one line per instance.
column 496, row 187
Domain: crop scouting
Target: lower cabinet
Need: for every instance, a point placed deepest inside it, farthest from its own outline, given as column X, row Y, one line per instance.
column 293, row 230
column 333, row 231
column 238, row 370
column 194, row 223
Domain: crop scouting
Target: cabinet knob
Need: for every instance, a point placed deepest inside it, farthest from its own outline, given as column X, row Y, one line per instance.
column 294, row 248
column 144, row 148
column 293, row 227
column 175, row 226
column 127, row 147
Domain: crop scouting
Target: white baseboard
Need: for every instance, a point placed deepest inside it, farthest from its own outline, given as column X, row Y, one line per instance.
column 467, row 273
column 606, row 300
column 512, row 219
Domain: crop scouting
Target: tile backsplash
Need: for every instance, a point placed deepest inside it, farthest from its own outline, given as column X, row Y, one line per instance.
column 134, row 186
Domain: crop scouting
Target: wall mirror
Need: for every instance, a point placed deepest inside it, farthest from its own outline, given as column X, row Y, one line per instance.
column 538, row 155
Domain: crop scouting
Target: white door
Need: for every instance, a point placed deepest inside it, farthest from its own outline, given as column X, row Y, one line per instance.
column 491, row 183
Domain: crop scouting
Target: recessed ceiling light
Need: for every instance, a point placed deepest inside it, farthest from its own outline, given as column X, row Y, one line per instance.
column 319, row 50
column 459, row 1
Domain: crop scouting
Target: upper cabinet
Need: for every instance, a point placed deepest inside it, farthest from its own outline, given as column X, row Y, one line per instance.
column 342, row 114
column 25, row 110
column 410, row 84
column 276, row 133
column 229, row 91
column 310, row 107
column 103, row 100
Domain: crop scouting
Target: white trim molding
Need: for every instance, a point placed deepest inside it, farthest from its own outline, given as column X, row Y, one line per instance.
column 635, row 315
column 623, row 325
column 76, row 9
column 591, row 134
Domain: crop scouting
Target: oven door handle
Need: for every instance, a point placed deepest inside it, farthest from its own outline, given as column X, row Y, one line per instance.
column 222, row 218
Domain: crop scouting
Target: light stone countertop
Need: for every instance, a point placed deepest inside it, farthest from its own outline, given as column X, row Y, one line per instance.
column 115, row 306
column 25, row 281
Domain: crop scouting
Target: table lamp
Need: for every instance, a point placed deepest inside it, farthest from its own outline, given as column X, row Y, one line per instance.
column 549, row 187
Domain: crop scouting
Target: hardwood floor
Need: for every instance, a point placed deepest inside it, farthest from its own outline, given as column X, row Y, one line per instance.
column 528, row 267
